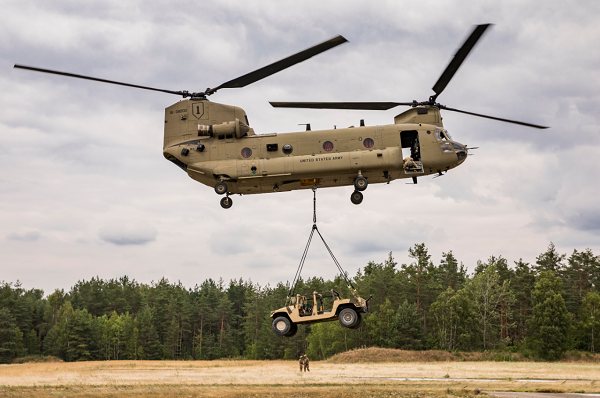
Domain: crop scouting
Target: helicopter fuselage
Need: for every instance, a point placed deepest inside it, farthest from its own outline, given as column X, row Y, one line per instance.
column 201, row 138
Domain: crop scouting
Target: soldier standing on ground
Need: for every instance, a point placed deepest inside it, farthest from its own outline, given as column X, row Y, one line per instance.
column 301, row 361
column 306, row 364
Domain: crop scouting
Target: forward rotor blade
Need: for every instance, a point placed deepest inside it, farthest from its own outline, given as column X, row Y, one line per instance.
column 496, row 118
column 458, row 59
column 376, row 106
column 54, row 72
column 278, row 66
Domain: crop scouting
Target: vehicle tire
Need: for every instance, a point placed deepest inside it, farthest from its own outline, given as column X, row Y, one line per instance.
column 293, row 330
column 281, row 325
column 220, row 188
column 358, row 322
column 356, row 197
column 348, row 317
column 226, row 202
column 361, row 183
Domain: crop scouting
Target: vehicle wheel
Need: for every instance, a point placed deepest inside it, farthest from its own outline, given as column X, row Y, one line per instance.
column 226, row 202
column 348, row 317
column 356, row 197
column 220, row 188
column 358, row 322
column 293, row 330
column 281, row 325
column 361, row 183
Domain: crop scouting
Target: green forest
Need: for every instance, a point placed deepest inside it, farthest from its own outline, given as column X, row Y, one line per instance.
column 540, row 309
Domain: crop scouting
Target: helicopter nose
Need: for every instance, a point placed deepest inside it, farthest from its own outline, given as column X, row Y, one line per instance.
column 461, row 151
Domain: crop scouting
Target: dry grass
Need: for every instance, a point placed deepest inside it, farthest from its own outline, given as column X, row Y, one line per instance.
column 337, row 391
column 271, row 378
column 37, row 359
column 382, row 355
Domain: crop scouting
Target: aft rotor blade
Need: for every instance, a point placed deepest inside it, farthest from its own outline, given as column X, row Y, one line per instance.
column 376, row 106
column 459, row 57
column 54, row 72
column 496, row 118
column 278, row 66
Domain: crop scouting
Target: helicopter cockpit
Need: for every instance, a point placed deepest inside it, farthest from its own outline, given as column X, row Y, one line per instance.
column 449, row 145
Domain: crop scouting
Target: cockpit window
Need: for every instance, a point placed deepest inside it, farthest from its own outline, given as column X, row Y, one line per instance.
column 443, row 135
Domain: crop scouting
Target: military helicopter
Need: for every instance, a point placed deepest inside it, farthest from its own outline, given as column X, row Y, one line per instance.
column 215, row 145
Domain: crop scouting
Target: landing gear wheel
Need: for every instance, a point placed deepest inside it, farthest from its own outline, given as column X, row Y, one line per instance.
column 293, row 330
column 281, row 325
column 220, row 188
column 348, row 317
column 226, row 202
column 356, row 197
column 361, row 183
column 358, row 322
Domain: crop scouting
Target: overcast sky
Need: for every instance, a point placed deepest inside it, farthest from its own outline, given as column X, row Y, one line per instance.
column 85, row 190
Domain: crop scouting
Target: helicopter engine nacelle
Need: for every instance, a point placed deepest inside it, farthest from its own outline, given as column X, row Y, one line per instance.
column 236, row 127
column 421, row 114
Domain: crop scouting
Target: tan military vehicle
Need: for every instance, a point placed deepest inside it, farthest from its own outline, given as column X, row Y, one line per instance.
column 319, row 307
column 214, row 144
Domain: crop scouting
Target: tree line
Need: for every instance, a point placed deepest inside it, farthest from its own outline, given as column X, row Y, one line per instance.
column 541, row 309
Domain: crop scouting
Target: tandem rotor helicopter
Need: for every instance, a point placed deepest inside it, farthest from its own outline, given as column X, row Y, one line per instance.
column 215, row 145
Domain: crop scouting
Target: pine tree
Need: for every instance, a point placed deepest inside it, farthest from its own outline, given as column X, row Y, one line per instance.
column 421, row 280
column 407, row 327
column 79, row 337
column 381, row 327
column 589, row 322
column 8, row 336
column 450, row 274
column 521, row 287
column 550, row 326
column 149, row 342
column 578, row 276
column 550, row 260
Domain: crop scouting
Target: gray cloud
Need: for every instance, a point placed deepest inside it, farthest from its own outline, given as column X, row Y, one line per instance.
column 30, row 236
column 76, row 153
column 128, row 234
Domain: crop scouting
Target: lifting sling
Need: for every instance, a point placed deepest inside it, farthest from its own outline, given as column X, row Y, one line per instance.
column 301, row 265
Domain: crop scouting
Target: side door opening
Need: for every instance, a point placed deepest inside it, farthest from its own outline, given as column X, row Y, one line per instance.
column 410, row 145
column 411, row 152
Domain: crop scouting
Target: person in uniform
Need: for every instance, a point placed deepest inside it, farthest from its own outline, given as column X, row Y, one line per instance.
column 301, row 361
column 409, row 164
column 306, row 369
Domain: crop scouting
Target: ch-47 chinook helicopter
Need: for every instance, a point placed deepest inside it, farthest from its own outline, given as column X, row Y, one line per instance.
column 215, row 145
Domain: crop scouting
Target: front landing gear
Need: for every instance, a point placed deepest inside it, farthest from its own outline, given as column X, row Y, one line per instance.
column 226, row 202
column 220, row 188
column 356, row 197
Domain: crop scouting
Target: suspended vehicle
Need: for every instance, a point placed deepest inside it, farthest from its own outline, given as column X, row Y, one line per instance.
column 215, row 145
column 305, row 309
column 316, row 307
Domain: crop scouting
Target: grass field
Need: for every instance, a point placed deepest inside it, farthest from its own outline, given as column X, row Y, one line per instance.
column 275, row 378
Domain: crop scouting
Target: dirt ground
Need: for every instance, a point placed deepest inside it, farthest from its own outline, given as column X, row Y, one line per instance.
column 274, row 378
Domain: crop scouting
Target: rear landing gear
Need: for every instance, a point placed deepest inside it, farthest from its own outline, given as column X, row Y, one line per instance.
column 360, row 183
column 356, row 197
column 226, row 202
